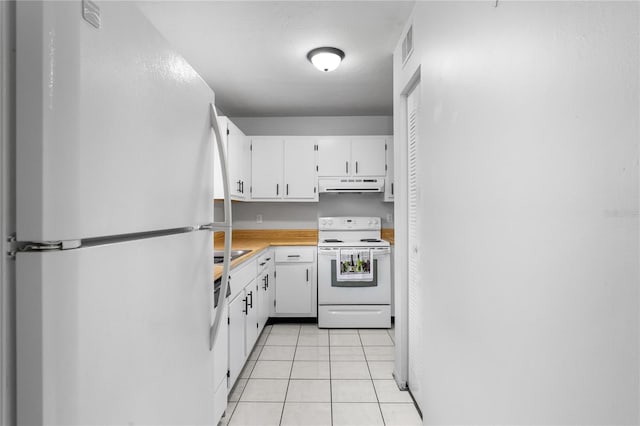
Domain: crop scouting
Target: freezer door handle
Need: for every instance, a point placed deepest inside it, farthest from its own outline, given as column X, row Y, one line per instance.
column 224, row 226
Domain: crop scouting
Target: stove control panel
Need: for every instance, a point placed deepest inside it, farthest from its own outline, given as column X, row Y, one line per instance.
column 349, row 223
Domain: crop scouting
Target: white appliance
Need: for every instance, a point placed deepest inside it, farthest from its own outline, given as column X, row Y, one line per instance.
column 351, row 185
column 115, row 310
column 350, row 303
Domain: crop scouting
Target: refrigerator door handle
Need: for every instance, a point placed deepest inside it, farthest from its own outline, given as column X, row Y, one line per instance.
column 224, row 226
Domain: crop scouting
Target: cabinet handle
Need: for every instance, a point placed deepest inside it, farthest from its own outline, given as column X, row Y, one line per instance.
column 346, row 166
column 391, row 188
column 246, row 306
column 293, row 255
column 242, row 186
column 287, row 189
column 263, row 263
column 267, row 280
column 277, row 188
column 307, row 274
column 251, row 296
column 268, row 258
column 356, row 167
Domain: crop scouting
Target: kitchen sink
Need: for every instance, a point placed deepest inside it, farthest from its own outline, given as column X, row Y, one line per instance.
column 218, row 255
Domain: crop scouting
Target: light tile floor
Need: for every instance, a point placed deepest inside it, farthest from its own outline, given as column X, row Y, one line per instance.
column 300, row 375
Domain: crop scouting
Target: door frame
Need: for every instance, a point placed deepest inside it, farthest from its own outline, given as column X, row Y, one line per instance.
column 7, row 212
column 401, row 231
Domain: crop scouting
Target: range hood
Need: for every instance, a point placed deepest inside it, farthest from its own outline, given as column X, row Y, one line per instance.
column 351, row 184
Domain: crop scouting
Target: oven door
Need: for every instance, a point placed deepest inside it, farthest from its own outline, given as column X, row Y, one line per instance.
column 334, row 292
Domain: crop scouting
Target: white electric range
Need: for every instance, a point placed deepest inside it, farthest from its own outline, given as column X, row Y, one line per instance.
column 354, row 273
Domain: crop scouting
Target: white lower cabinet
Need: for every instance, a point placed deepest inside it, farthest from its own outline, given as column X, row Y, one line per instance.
column 251, row 317
column 237, row 353
column 266, row 285
column 243, row 328
column 242, row 317
column 255, row 297
column 296, row 290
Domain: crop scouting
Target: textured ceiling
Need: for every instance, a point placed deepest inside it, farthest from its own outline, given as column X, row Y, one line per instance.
column 253, row 53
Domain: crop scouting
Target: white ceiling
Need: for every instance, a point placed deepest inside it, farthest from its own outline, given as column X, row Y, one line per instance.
column 253, row 53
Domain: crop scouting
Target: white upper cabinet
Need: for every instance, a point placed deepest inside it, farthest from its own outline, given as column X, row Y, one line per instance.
column 351, row 156
column 368, row 156
column 389, row 180
column 300, row 177
column 266, row 168
column 283, row 169
column 238, row 147
column 239, row 162
column 334, row 156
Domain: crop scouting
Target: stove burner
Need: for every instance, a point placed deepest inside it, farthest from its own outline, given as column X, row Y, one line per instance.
column 370, row 240
column 332, row 240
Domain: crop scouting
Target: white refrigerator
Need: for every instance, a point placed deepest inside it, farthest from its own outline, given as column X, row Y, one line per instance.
column 114, row 222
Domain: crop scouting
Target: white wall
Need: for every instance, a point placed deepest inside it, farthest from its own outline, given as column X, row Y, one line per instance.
column 315, row 126
column 305, row 215
column 529, row 134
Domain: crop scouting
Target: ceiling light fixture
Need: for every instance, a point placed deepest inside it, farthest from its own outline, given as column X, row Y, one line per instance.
column 325, row 58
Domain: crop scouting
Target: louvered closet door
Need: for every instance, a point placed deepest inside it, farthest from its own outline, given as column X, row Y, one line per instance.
column 415, row 317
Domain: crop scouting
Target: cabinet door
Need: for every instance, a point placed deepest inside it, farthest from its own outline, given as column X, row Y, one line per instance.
column 271, row 286
column 368, row 156
column 294, row 288
column 251, row 319
column 334, row 156
column 263, row 300
column 266, row 168
column 245, row 178
column 239, row 154
column 237, row 354
column 300, row 168
column 389, row 179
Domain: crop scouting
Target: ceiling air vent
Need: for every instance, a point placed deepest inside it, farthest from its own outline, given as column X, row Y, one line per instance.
column 407, row 44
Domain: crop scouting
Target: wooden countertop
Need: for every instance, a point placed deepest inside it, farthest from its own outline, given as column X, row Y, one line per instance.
column 388, row 235
column 258, row 240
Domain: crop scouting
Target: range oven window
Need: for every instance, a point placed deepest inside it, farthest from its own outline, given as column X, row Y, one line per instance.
column 336, row 283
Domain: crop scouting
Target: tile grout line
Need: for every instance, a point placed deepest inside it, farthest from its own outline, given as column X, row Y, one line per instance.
column 375, row 391
column 330, row 377
column 286, row 393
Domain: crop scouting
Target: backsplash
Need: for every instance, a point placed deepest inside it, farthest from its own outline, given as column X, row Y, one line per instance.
column 305, row 215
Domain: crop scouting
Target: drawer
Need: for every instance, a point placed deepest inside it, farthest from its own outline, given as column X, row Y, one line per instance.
column 264, row 259
column 295, row 254
column 242, row 276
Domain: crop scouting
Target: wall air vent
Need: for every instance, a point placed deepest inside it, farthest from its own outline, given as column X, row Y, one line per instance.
column 407, row 45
